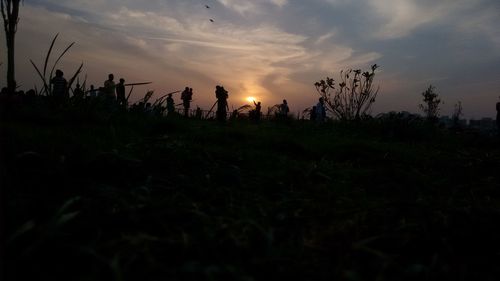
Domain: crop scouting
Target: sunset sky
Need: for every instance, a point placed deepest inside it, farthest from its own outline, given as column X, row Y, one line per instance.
column 273, row 49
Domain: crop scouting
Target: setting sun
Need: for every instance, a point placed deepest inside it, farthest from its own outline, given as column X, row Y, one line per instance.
column 250, row 99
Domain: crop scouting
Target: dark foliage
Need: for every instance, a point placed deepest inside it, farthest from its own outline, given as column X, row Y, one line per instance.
column 352, row 97
column 430, row 107
column 93, row 195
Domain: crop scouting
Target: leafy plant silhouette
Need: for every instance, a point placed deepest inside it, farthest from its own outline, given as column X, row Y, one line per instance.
column 352, row 97
column 431, row 104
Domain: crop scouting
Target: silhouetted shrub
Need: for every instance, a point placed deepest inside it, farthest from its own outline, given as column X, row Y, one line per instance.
column 431, row 104
column 354, row 95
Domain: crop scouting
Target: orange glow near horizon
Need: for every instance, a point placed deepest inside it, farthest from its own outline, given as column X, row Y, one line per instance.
column 250, row 99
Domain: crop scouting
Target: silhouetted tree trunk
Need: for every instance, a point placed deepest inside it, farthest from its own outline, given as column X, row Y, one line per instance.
column 10, row 15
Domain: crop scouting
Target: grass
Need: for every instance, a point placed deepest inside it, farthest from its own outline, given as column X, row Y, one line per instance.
column 97, row 196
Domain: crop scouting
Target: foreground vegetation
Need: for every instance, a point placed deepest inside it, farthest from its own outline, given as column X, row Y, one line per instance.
column 98, row 196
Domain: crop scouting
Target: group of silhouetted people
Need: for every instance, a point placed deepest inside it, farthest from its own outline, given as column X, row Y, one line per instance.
column 110, row 92
column 186, row 97
column 114, row 94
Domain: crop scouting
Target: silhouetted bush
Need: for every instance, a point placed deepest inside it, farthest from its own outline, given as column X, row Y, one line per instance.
column 354, row 95
column 431, row 104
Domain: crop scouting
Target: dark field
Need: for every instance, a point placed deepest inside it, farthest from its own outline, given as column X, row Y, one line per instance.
column 94, row 196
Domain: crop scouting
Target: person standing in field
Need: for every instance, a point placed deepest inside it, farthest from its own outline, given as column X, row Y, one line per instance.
column 59, row 86
column 78, row 92
column 320, row 110
column 120, row 93
column 222, row 95
column 92, row 93
column 284, row 109
column 170, row 105
column 198, row 113
column 312, row 114
column 255, row 114
column 186, row 97
column 110, row 88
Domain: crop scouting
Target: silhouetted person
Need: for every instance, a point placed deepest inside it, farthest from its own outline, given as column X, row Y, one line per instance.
column 78, row 92
column 59, row 86
column 255, row 114
column 498, row 117
column 120, row 93
column 170, row 105
column 110, row 88
column 312, row 114
column 92, row 92
column 258, row 106
column 198, row 113
column 284, row 109
column 186, row 97
column 222, row 96
column 320, row 110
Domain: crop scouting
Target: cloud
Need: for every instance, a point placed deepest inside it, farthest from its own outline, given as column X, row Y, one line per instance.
column 402, row 17
column 246, row 7
column 241, row 6
column 395, row 19
column 324, row 37
column 483, row 22
column 279, row 3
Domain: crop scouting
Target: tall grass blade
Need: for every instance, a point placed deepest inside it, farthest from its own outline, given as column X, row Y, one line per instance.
column 70, row 82
column 244, row 107
column 148, row 95
column 67, row 204
column 131, row 89
column 48, row 55
column 67, row 217
column 84, row 84
column 41, row 77
column 59, row 58
column 26, row 227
